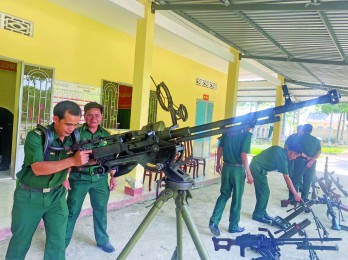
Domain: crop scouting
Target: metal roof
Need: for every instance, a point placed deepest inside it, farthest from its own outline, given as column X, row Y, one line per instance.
column 304, row 41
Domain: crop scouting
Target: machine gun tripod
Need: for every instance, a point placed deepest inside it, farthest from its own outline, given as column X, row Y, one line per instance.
column 179, row 191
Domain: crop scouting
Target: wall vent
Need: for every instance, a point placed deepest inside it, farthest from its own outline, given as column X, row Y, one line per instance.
column 206, row 83
column 16, row 24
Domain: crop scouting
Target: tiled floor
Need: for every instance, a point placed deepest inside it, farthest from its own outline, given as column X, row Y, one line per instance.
column 117, row 197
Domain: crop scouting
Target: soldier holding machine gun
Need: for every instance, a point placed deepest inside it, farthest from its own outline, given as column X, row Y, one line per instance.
column 39, row 193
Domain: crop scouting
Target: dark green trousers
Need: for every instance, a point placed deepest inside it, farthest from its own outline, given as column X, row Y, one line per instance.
column 98, row 189
column 261, row 190
column 28, row 209
column 302, row 174
column 232, row 183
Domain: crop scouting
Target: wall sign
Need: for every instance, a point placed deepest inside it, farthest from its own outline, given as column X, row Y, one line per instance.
column 124, row 97
column 7, row 65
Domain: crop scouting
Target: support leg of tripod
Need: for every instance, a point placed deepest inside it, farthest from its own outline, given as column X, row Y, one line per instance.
column 183, row 213
column 165, row 196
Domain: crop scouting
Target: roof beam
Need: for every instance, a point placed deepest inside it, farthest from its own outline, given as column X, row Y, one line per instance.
column 263, row 33
column 332, row 35
column 328, row 6
column 275, row 43
column 313, row 85
column 255, row 84
column 330, row 62
column 253, row 69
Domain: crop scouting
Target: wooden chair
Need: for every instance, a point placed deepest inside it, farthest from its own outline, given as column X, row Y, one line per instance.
column 197, row 160
column 191, row 163
column 149, row 174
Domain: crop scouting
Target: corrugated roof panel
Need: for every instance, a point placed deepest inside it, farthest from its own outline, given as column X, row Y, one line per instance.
column 314, row 38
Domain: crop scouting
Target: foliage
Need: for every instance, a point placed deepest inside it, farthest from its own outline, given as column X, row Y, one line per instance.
column 257, row 148
column 329, row 108
column 333, row 150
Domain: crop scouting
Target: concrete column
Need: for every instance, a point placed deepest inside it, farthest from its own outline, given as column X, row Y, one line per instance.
column 232, row 85
column 141, row 86
column 278, row 102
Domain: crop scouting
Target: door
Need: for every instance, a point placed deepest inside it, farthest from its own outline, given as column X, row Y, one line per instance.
column 35, row 104
column 204, row 115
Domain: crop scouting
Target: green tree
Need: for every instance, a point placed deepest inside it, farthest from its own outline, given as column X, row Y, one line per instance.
column 342, row 110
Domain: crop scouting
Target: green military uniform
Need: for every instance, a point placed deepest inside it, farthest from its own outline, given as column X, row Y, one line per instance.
column 310, row 146
column 271, row 159
column 292, row 139
column 33, row 201
column 83, row 180
column 232, row 177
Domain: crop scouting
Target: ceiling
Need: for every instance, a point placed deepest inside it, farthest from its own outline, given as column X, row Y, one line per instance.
column 304, row 41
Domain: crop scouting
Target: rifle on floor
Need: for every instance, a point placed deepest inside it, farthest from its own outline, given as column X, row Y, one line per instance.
column 290, row 229
column 330, row 199
column 268, row 247
column 159, row 148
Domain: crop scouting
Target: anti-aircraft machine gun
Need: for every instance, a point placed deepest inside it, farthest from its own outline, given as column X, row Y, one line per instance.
column 156, row 147
column 268, row 247
column 160, row 148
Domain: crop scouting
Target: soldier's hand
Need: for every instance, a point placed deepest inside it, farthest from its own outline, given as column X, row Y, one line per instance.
column 66, row 185
column 250, row 179
column 81, row 157
column 297, row 197
column 218, row 168
column 113, row 183
column 310, row 163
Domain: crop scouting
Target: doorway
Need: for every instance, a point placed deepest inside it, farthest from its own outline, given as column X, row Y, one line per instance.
column 8, row 74
column 6, row 131
column 204, row 115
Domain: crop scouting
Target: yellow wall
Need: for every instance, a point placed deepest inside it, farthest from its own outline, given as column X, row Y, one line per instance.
column 179, row 74
column 80, row 49
column 84, row 51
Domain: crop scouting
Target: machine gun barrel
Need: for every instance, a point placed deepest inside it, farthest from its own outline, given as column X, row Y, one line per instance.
column 249, row 120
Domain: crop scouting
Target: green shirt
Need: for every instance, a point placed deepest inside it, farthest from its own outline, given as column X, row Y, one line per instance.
column 293, row 139
column 33, row 152
column 234, row 145
column 310, row 145
column 274, row 158
column 86, row 134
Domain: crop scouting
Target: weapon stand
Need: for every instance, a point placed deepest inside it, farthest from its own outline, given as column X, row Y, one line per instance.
column 179, row 191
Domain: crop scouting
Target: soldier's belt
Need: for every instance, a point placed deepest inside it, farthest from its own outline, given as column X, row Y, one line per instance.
column 79, row 169
column 42, row 190
column 233, row 164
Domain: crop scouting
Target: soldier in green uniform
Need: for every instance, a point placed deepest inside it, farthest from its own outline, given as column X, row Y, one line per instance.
column 83, row 180
column 304, row 166
column 293, row 139
column 39, row 193
column 234, row 149
column 274, row 158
